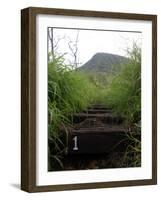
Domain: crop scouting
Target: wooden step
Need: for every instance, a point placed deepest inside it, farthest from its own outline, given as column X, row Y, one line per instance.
column 97, row 141
column 106, row 118
column 89, row 123
column 99, row 111
column 98, row 107
column 99, row 130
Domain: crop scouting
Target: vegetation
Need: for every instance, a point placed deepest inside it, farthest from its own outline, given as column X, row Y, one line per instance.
column 70, row 91
column 123, row 95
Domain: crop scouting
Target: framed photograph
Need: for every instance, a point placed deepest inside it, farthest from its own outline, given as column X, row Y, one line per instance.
column 88, row 99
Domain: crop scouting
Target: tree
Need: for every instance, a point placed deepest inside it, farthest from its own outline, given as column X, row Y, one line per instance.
column 53, row 43
column 73, row 47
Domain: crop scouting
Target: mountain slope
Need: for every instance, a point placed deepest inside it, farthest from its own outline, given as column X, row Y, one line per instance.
column 102, row 62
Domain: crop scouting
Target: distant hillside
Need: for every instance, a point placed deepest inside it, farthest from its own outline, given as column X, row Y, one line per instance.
column 103, row 62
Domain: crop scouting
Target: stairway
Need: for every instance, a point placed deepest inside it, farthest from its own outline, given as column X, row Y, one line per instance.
column 96, row 131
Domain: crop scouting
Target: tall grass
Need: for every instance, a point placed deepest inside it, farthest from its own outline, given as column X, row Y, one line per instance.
column 69, row 91
column 123, row 95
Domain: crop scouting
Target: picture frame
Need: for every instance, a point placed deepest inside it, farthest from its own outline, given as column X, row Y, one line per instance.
column 31, row 19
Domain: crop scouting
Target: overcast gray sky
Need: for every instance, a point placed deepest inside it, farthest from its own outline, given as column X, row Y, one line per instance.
column 91, row 42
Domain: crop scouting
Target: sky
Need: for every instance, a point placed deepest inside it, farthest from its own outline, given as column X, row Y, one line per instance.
column 91, row 42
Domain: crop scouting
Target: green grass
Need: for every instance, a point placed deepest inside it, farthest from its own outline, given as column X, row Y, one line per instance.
column 123, row 92
column 123, row 95
column 69, row 91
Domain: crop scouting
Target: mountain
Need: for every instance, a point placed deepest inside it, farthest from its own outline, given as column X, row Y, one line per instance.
column 103, row 62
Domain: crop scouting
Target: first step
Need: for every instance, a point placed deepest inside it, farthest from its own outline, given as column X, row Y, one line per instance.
column 97, row 141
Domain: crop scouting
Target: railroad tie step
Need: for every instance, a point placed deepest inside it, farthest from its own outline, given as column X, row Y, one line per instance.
column 96, row 111
column 98, row 107
column 107, row 118
column 97, row 141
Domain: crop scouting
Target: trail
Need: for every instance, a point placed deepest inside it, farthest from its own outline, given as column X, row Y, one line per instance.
column 96, row 137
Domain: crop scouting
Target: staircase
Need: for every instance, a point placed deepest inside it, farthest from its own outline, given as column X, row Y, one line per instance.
column 96, row 131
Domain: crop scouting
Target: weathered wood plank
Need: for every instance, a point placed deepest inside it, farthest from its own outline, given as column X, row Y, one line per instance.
column 90, row 141
column 107, row 118
column 95, row 111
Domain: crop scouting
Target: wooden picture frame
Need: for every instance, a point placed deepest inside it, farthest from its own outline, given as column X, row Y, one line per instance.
column 28, row 98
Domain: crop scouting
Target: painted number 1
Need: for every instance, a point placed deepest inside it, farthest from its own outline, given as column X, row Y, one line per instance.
column 75, row 148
